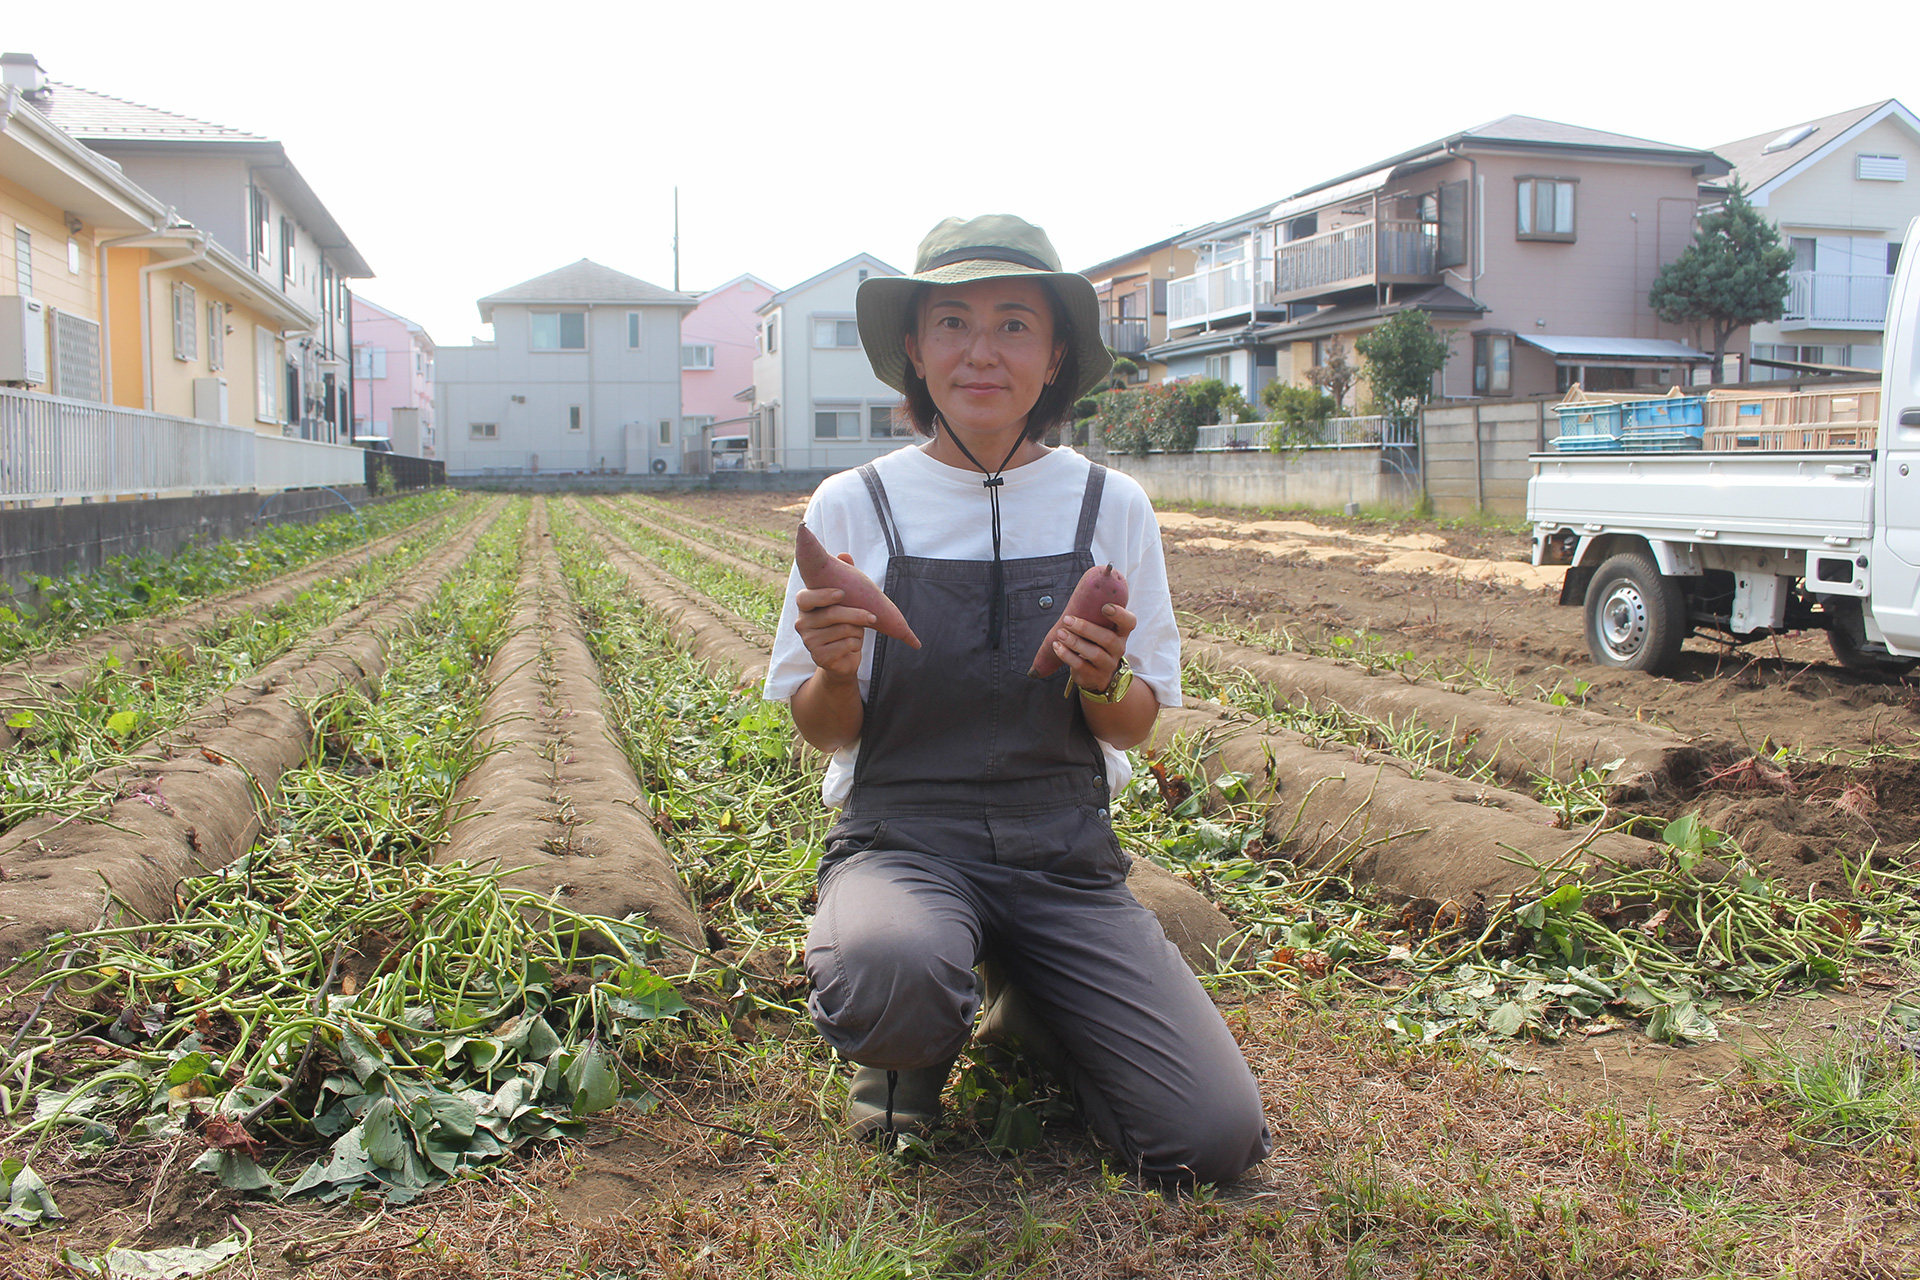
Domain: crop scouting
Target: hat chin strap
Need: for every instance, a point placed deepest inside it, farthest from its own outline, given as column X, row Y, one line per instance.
column 993, row 484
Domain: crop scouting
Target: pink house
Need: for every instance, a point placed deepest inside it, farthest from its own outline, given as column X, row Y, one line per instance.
column 392, row 369
column 716, row 361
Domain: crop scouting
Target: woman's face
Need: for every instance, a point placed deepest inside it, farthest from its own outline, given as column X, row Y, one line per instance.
column 986, row 350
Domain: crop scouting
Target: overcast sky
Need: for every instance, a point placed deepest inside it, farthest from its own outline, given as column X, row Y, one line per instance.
column 468, row 147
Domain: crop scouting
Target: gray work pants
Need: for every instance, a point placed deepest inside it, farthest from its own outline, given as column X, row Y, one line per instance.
column 903, row 921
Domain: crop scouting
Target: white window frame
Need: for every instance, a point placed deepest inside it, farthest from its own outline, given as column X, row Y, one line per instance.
column 691, row 355
column 576, row 419
column 634, row 330
column 73, row 256
column 186, row 322
column 773, row 333
column 370, row 363
column 666, row 433
column 216, row 337
column 843, row 325
column 266, row 374
column 1220, row 367
column 23, row 261
column 559, row 335
column 897, row 426
column 841, row 409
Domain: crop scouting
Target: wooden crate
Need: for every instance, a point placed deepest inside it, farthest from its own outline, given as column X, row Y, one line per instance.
column 1751, row 410
column 1830, row 436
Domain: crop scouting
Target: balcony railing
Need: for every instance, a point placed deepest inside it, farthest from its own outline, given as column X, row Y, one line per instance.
column 1218, row 291
column 1832, row 299
column 1353, row 256
column 1124, row 335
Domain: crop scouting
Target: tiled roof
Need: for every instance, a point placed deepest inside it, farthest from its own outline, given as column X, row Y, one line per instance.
column 1755, row 166
column 100, row 117
column 1554, row 134
column 583, row 281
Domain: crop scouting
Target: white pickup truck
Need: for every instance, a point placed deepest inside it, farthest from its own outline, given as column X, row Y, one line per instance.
column 1749, row 543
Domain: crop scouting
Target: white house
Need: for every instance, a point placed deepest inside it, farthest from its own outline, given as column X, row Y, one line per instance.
column 817, row 405
column 583, row 374
column 1842, row 190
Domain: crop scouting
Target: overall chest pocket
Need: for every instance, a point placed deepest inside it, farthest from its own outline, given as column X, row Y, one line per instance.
column 1034, row 607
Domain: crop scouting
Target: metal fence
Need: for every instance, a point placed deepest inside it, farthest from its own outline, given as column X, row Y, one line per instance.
column 1371, row 431
column 56, row 449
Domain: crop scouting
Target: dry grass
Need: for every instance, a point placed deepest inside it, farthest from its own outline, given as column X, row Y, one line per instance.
column 1388, row 1162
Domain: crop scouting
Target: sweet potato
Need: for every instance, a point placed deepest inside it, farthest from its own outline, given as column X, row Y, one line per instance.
column 818, row 569
column 1100, row 585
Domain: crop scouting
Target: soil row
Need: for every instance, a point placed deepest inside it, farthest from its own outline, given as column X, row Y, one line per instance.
column 28, row 681
column 555, row 796
column 198, row 801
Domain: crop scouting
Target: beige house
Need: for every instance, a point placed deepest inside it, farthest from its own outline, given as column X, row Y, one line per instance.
column 1132, row 290
column 1842, row 190
column 1533, row 243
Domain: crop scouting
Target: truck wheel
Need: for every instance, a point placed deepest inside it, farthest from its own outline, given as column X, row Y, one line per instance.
column 1636, row 615
column 1847, row 633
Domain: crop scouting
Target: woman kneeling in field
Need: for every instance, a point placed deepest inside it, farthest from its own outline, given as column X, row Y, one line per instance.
column 974, row 828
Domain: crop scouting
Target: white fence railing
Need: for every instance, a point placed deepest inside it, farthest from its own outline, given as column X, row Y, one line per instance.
column 1829, row 297
column 1240, row 285
column 1374, row 430
column 55, row 448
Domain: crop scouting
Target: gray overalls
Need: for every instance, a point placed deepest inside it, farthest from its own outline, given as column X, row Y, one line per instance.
column 977, row 824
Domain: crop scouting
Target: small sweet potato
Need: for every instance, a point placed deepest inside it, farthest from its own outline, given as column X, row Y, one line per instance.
column 818, row 569
column 1100, row 585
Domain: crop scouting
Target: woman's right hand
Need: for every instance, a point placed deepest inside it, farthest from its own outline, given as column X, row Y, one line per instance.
column 834, row 633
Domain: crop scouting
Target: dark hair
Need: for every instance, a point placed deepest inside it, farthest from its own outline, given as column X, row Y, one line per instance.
column 1057, row 398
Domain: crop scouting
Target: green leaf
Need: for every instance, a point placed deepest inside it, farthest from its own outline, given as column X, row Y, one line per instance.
column 20, row 720
column 121, row 724
column 28, row 1200
column 595, row 1084
column 1507, row 1019
column 1567, row 898
column 645, row 995
column 180, row 1262
column 1680, row 1022
column 386, row 1138
column 191, row 1067
column 1016, row 1130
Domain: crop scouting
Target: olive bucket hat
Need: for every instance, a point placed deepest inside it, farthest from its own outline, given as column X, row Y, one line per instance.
column 984, row 248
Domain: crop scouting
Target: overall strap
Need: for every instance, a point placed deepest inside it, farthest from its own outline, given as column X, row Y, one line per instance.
column 1090, row 508
column 883, row 509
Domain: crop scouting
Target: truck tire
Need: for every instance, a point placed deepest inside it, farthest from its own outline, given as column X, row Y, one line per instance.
column 1847, row 633
column 1636, row 615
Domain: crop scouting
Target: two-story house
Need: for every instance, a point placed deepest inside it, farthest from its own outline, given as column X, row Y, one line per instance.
column 241, row 191
column 817, row 404
column 1841, row 190
column 143, row 311
column 717, row 348
column 1533, row 243
column 1133, row 293
column 582, row 375
column 392, row 370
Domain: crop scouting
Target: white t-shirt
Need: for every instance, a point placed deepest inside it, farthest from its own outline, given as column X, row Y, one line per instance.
column 942, row 514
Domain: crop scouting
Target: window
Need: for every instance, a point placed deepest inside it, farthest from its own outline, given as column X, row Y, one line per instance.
column 574, row 422
column 1303, row 227
column 836, row 424
column 73, row 256
column 633, row 330
column 666, row 432
column 773, row 333
column 883, row 423
column 216, row 337
column 1545, row 209
column 484, row 430
column 23, row 261
column 186, row 323
column 260, row 230
column 370, row 362
column 559, row 330
column 286, row 252
column 1492, row 364
column 264, row 381
column 1220, row 367
column 694, row 424
column 1893, row 257
column 1871, row 168
column 696, row 355
column 836, row 333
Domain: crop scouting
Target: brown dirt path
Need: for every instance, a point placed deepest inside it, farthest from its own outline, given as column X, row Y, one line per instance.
column 555, row 796
column 199, row 802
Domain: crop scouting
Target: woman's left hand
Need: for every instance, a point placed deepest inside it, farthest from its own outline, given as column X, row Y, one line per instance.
column 1092, row 651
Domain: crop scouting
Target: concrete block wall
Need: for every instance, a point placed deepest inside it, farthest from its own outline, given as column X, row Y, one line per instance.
column 1322, row 479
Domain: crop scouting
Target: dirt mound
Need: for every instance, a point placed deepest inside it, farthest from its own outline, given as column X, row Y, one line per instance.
column 1811, row 823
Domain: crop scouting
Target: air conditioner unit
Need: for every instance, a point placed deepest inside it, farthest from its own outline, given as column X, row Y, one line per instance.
column 210, row 399
column 23, row 340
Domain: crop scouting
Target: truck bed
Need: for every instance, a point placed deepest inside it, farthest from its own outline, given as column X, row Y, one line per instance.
column 1804, row 500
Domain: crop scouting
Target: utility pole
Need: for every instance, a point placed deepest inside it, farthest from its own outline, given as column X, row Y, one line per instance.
column 676, row 239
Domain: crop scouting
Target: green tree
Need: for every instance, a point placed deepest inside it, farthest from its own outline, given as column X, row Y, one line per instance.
column 1733, row 274
column 1296, row 413
column 1402, row 356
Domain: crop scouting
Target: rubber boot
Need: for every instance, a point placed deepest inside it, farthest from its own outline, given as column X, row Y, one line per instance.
column 1009, row 1024
column 881, row 1101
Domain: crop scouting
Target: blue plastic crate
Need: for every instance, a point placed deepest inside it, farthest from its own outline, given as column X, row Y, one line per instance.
column 1586, row 444
column 1668, row 411
column 1663, row 438
column 1594, row 418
